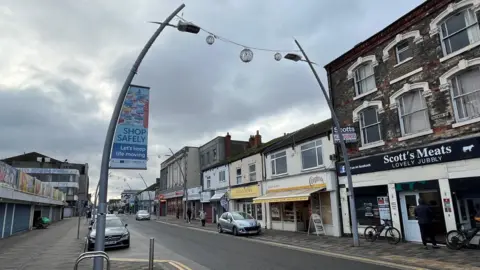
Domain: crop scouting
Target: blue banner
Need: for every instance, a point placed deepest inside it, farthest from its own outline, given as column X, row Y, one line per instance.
column 130, row 144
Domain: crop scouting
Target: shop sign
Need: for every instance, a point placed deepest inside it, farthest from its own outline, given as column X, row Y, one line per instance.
column 205, row 196
column 173, row 194
column 316, row 223
column 433, row 154
column 245, row 192
column 194, row 193
column 349, row 134
column 295, row 183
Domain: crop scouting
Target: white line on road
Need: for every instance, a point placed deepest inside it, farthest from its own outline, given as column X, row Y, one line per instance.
column 308, row 250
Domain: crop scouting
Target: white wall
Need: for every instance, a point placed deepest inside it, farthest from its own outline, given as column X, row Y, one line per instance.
column 244, row 164
column 193, row 168
column 294, row 157
column 174, row 176
column 214, row 178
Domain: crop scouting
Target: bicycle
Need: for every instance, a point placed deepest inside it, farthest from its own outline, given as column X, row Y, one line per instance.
column 458, row 239
column 373, row 232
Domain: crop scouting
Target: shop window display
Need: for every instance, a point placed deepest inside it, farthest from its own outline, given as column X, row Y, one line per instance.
column 275, row 210
column 326, row 206
column 288, row 213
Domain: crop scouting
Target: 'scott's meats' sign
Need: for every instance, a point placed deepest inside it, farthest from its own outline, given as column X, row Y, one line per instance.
column 433, row 154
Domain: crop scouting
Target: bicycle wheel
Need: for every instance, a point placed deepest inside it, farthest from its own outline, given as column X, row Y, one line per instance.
column 370, row 233
column 393, row 235
column 456, row 240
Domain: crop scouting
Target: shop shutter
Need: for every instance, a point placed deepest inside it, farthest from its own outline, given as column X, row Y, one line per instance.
column 8, row 220
column 46, row 211
column 2, row 215
column 21, row 219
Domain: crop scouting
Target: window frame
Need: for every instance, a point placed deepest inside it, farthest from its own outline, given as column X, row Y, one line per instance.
column 356, row 81
column 362, row 127
column 220, row 173
column 250, row 173
column 401, row 103
column 238, row 176
column 398, row 51
column 465, row 11
column 454, row 81
column 273, row 162
column 316, row 146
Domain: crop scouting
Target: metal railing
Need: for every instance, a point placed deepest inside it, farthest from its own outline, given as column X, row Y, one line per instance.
column 91, row 255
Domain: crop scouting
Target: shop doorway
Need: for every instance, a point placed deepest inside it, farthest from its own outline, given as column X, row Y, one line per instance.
column 408, row 202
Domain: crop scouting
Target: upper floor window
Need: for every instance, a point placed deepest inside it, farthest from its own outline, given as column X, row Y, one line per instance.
column 413, row 112
column 252, row 174
column 214, row 152
column 202, row 160
column 239, row 175
column 370, row 126
column 364, row 79
column 279, row 163
column 208, row 182
column 459, row 30
column 312, row 156
column 221, row 176
column 403, row 51
column 208, row 158
column 466, row 94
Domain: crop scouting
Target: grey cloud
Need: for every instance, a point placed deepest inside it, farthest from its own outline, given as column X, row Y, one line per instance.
column 197, row 89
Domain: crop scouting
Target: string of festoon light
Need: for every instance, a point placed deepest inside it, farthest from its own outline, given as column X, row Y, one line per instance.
column 246, row 54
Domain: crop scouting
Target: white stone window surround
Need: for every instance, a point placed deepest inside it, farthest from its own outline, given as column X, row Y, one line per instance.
column 417, row 38
column 356, row 112
column 445, row 85
column 426, row 92
column 453, row 7
column 360, row 61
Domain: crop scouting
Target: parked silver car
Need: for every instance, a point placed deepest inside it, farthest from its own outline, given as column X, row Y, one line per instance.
column 238, row 223
column 142, row 215
column 116, row 234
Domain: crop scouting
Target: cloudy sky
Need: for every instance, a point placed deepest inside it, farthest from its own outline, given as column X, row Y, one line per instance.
column 63, row 63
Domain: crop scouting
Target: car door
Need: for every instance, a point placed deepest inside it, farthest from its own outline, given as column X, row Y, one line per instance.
column 223, row 221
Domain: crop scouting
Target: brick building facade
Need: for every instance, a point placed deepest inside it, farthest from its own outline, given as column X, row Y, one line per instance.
column 412, row 93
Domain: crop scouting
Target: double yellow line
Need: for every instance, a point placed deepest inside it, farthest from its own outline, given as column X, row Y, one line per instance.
column 178, row 265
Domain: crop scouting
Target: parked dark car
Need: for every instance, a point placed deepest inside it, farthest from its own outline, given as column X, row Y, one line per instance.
column 116, row 234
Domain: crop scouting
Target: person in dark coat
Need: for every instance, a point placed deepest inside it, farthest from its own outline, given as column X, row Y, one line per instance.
column 189, row 214
column 424, row 215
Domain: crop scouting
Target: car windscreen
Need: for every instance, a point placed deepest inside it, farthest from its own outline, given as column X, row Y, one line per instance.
column 142, row 212
column 241, row 215
column 113, row 222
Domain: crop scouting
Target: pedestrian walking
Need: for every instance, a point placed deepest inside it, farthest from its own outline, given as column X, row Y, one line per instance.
column 189, row 214
column 178, row 213
column 424, row 215
column 202, row 217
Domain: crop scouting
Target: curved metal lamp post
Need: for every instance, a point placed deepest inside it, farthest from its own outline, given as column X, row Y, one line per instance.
column 353, row 213
column 103, row 185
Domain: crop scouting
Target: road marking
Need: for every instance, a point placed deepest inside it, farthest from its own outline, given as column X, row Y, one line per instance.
column 178, row 265
column 308, row 250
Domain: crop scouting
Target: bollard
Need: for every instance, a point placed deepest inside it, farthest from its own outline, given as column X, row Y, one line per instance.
column 78, row 227
column 150, row 255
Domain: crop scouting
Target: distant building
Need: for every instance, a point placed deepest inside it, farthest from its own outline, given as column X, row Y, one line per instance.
column 70, row 178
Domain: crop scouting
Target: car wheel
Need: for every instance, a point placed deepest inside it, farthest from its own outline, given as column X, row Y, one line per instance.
column 220, row 230
column 235, row 232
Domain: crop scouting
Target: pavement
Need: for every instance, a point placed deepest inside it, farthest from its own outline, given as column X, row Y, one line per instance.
column 409, row 255
column 57, row 248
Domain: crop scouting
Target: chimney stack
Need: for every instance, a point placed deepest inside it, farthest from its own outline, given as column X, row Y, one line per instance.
column 258, row 139
column 228, row 145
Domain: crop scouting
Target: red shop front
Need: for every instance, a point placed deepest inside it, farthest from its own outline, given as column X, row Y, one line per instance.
column 174, row 203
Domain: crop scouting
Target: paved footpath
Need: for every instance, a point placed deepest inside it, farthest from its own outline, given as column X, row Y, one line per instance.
column 57, row 248
column 410, row 254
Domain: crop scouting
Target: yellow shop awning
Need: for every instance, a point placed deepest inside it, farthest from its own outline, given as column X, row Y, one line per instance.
column 287, row 196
